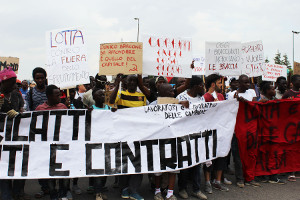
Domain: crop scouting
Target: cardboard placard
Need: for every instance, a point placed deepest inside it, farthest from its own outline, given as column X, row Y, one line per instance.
column 167, row 56
column 223, row 58
column 124, row 57
column 253, row 61
column 9, row 62
column 273, row 71
column 67, row 62
column 296, row 68
column 167, row 100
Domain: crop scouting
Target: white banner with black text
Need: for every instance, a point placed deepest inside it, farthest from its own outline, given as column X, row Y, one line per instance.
column 82, row 143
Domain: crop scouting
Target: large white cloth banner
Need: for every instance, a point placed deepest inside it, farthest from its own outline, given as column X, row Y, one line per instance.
column 67, row 62
column 199, row 65
column 223, row 58
column 273, row 71
column 81, row 143
column 167, row 56
column 253, row 61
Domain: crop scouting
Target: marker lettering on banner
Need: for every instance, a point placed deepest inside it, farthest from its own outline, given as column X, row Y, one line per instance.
column 58, row 115
column 54, row 166
column 108, row 158
column 149, row 145
column 44, row 130
column 134, row 158
column 88, row 160
column 76, row 114
column 265, row 158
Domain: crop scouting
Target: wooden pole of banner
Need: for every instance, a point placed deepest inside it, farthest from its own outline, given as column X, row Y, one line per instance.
column 203, row 78
column 223, row 85
column 252, row 80
column 68, row 93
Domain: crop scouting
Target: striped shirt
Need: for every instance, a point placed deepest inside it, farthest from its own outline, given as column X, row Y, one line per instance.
column 37, row 99
column 126, row 99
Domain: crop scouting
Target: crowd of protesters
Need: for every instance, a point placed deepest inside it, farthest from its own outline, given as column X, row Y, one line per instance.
column 134, row 91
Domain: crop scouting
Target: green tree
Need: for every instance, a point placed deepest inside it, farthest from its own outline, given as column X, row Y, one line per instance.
column 285, row 61
column 277, row 58
column 267, row 60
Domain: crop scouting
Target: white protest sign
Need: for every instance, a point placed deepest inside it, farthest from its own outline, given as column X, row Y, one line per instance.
column 223, row 58
column 167, row 56
column 273, row 71
column 67, row 62
column 253, row 61
column 199, row 65
column 82, row 143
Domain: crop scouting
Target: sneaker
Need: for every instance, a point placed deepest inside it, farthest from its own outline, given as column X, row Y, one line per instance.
column 220, row 186
column 76, row 189
column 278, row 181
column 240, row 184
column 69, row 195
column 199, row 195
column 40, row 194
column 208, row 188
column 99, row 196
column 172, row 197
column 136, row 196
column 63, row 198
column 183, row 194
column 125, row 194
column 158, row 196
column 253, row 183
column 292, row 178
column 227, row 182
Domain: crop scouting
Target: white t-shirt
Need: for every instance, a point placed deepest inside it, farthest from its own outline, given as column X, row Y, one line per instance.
column 192, row 100
column 248, row 95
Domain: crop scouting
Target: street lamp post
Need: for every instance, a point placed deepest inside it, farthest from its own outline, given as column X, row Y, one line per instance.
column 294, row 32
column 138, row 28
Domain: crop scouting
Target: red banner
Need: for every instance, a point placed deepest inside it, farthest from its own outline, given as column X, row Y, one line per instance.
column 269, row 137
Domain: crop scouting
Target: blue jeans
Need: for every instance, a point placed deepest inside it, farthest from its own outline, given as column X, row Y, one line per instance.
column 192, row 173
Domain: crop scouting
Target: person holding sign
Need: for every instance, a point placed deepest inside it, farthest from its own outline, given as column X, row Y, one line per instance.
column 213, row 87
column 243, row 93
column 193, row 95
column 11, row 103
column 53, row 103
column 127, row 99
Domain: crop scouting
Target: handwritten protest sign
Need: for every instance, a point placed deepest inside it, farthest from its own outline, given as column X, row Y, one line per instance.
column 67, row 62
column 296, row 68
column 253, row 62
column 12, row 62
column 199, row 65
column 167, row 56
column 125, row 58
column 223, row 58
column 273, row 71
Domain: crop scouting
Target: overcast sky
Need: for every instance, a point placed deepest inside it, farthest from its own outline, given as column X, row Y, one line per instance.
column 24, row 24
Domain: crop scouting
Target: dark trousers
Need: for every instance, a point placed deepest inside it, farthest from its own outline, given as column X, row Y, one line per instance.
column 44, row 184
column 190, row 174
column 132, row 182
column 238, row 168
column 9, row 187
column 99, row 183
column 64, row 185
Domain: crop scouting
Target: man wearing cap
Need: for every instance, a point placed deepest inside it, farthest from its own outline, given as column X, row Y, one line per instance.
column 11, row 103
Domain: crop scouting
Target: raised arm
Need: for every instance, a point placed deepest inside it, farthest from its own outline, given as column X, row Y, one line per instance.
column 114, row 93
column 143, row 88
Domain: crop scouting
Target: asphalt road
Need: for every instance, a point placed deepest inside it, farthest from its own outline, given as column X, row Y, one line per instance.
column 289, row 191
